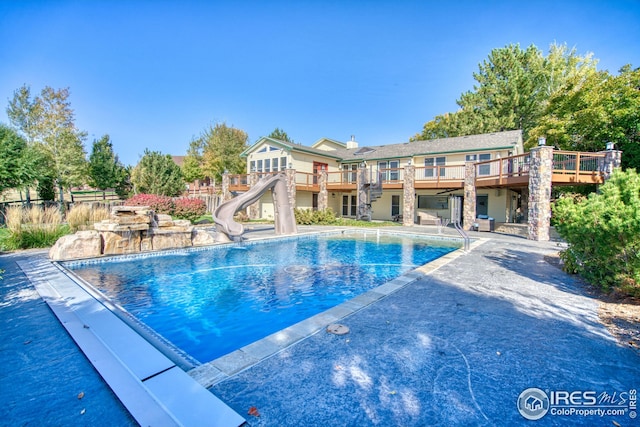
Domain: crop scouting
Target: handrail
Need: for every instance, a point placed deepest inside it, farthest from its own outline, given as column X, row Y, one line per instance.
column 464, row 235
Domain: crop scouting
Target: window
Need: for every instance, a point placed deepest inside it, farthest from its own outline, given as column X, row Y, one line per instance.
column 262, row 150
column 395, row 205
column 273, row 148
column 349, row 209
column 484, row 169
column 433, row 202
column 471, row 157
column 431, row 165
column 267, row 165
column 394, row 174
column 350, row 177
column 259, row 169
column 252, row 166
column 389, row 170
column 274, row 163
column 283, row 163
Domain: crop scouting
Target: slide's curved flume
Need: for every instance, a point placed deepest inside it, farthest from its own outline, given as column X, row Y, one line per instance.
column 285, row 221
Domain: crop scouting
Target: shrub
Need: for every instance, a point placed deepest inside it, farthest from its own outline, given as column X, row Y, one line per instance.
column 603, row 233
column 33, row 228
column 82, row 216
column 311, row 217
column 159, row 204
column 191, row 209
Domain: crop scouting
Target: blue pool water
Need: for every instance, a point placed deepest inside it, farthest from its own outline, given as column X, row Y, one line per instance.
column 211, row 302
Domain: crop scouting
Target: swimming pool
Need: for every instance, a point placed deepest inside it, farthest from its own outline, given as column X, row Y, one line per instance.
column 211, row 302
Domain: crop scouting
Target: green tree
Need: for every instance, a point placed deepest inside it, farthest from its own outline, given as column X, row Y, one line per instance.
column 47, row 122
column 18, row 161
column 222, row 146
column 603, row 233
column 192, row 164
column 593, row 110
column 514, row 87
column 105, row 170
column 157, row 173
column 280, row 135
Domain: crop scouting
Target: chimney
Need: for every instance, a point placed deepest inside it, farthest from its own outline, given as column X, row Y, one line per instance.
column 352, row 143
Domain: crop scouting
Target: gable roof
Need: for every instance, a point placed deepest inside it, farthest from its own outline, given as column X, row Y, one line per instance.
column 508, row 140
column 288, row 146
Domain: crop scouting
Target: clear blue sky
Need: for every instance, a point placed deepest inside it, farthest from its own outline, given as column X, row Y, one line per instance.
column 154, row 74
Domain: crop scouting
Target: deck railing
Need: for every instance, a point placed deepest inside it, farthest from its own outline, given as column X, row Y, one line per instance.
column 568, row 166
column 576, row 163
column 439, row 173
column 499, row 171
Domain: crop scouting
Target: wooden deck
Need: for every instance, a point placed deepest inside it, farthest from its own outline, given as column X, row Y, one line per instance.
column 569, row 168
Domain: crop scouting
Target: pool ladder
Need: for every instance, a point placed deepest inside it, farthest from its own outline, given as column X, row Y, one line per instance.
column 464, row 235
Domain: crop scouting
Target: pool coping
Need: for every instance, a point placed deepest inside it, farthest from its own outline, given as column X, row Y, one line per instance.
column 211, row 373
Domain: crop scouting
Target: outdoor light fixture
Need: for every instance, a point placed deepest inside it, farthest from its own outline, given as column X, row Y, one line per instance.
column 542, row 141
column 409, row 162
column 610, row 146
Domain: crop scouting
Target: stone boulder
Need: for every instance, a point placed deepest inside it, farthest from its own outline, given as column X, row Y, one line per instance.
column 82, row 244
column 118, row 243
column 201, row 237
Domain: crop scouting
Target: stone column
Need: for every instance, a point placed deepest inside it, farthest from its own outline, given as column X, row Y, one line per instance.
column 361, row 198
column 323, row 195
column 612, row 160
column 524, row 204
column 409, row 196
column 469, row 204
column 254, row 209
column 226, row 194
column 540, row 174
column 291, row 186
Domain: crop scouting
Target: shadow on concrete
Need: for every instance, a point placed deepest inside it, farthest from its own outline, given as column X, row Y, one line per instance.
column 443, row 351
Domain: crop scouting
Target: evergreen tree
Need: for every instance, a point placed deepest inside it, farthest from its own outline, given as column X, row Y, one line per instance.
column 157, row 173
column 105, row 169
column 280, row 135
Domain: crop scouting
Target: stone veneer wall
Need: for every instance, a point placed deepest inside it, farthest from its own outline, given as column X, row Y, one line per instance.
column 254, row 209
column 469, row 204
column 612, row 160
column 540, row 175
column 409, row 196
column 362, row 198
column 291, row 186
column 323, row 195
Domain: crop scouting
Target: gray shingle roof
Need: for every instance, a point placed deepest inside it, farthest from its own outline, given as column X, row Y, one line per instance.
column 487, row 141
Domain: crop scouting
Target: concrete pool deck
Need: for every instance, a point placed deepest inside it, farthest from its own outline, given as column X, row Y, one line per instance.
column 457, row 346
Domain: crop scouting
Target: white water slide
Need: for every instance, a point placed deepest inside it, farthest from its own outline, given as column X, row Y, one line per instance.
column 283, row 211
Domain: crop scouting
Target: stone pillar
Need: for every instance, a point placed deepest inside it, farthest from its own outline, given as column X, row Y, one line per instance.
column 291, row 186
column 524, row 204
column 254, row 209
column 409, row 196
column 540, row 174
column 612, row 160
column 226, row 194
column 362, row 197
column 469, row 204
column 323, row 195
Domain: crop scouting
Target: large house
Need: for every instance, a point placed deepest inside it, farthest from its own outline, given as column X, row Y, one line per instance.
column 455, row 179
